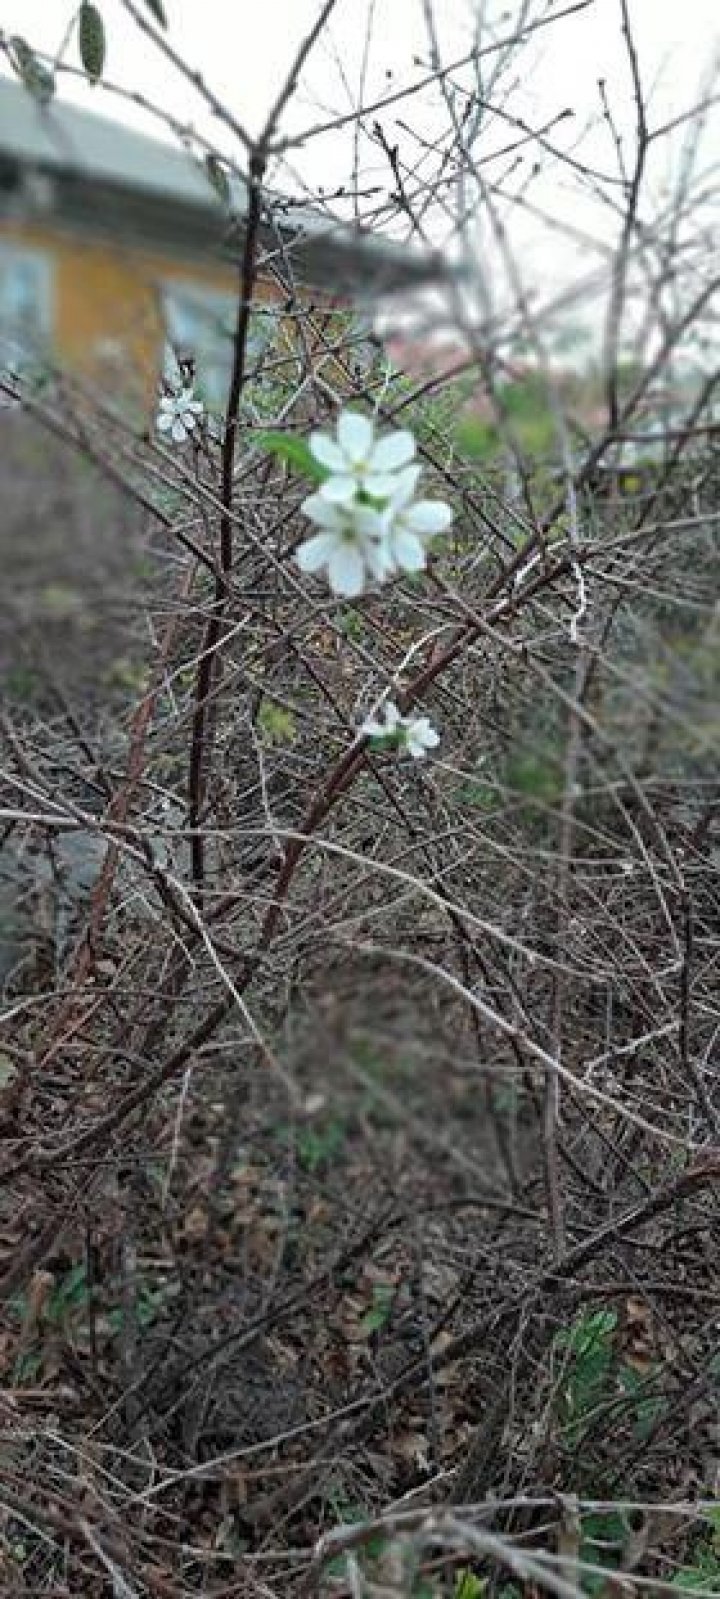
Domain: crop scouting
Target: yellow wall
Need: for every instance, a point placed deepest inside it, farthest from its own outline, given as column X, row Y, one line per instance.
column 105, row 295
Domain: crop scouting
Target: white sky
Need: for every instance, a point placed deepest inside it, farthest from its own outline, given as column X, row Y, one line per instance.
column 243, row 49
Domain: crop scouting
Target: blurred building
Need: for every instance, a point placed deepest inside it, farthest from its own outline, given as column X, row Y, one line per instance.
column 118, row 253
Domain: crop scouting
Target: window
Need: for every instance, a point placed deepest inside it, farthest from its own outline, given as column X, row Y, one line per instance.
column 25, row 307
column 200, row 325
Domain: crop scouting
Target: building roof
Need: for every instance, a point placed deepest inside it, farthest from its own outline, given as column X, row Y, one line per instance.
column 69, row 143
column 61, row 137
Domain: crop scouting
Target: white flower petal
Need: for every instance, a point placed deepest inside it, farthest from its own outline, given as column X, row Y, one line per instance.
column 339, row 489
column 322, row 512
column 346, row 570
column 428, row 516
column 355, row 436
column 369, row 523
column 405, row 484
column 392, row 452
column 178, row 414
column 393, row 719
column 420, row 736
column 380, row 485
column 407, row 550
column 423, row 729
column 326, row 451
column 386, row 724
column 316, row 552
column 379, row 560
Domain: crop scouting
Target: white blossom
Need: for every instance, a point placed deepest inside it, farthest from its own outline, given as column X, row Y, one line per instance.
column 420, row 736
column 357, row 461
column 388, row 726
column 350, row 545
column 359, row 539
column 412, row 735
column 179, row 414
column 408, row 524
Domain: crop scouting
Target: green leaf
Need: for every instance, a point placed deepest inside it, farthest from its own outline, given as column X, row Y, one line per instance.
column 538, row 777
column 603, row 1540
column 589, row 1345
column 648, row 1407
column 379, row 1313
column 158, row 11
column 351, row 625
column 70, row 1293
column 316, row 1148
column 477, row 438
column 374, row 1320
column 218, row 178
column 92, row 41
column 592, row 1333
column 38, row 81
column 482, row 795
column 287, row 447
column 277, row 723
column 468, row 1586
column 27, row 1367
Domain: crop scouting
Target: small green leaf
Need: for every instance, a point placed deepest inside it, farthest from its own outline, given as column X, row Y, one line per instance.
column 482, row 795
column 158, row 11
column 648, row 1407
column 468, row 1586
column 92, row 41
column 351, row 625
column 70, row 1293
column 374, row 1320
column 38, row 81
column 317, row 1146
column 218, row 178
column 380, row 1311
column 27, row 1367
column 603, row 1539
column 287, row 447
column 276, row 723
column 538, row 777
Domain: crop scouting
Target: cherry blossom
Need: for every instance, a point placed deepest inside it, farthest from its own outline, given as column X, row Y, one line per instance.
column 179, row 414
column 350, row 545
column 411, row 735
column 357, row 461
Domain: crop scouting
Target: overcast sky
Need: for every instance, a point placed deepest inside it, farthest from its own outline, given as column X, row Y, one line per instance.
column 243, row 49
